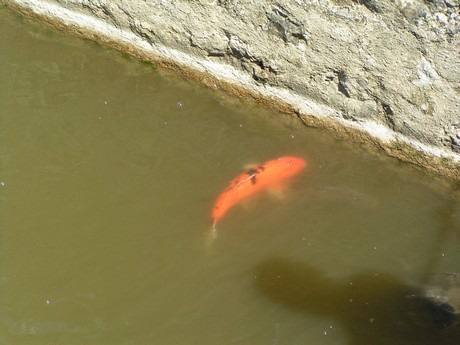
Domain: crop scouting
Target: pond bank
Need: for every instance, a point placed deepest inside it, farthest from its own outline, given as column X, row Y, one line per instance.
column 381, row 73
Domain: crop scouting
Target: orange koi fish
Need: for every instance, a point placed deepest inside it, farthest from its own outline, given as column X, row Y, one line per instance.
column 269, row 174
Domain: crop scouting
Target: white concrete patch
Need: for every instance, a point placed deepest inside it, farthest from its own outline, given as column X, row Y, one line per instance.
column 427, row 75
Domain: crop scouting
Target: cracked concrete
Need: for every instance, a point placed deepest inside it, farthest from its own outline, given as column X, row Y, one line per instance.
column 385, row 73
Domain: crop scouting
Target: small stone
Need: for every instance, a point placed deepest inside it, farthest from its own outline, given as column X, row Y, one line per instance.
column 442, row 18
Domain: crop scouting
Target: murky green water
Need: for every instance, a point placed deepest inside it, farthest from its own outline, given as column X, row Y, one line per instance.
column 109, row 171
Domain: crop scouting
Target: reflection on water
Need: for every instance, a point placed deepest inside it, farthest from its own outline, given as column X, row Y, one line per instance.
column 373, row 307
column 109, row 172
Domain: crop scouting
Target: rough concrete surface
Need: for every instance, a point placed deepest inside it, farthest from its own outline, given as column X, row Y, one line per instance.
column 384, row 72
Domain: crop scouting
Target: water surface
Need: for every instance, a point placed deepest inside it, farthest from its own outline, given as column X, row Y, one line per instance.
column 109, row 171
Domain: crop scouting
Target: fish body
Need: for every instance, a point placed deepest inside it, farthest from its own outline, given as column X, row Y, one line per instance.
column 270, row 174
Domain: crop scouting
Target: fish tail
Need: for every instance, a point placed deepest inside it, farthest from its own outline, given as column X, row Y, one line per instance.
column 214, row 230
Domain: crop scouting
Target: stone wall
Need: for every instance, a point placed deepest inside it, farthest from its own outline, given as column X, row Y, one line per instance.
column 383, row 72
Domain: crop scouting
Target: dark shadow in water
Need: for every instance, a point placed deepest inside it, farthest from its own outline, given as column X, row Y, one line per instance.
column 374, row 308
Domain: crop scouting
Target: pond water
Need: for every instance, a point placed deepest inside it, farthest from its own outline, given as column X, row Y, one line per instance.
column 110, row 168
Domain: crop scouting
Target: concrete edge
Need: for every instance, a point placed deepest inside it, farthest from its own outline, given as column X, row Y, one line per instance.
column 432, row 159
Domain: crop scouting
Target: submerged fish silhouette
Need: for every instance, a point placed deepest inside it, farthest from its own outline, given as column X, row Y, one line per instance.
column 269, row 174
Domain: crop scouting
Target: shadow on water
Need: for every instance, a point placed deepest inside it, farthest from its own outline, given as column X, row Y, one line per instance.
column 374, row 308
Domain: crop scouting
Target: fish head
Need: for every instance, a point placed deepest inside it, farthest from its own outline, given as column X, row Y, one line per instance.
column 277, row 171
column 290, row 165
